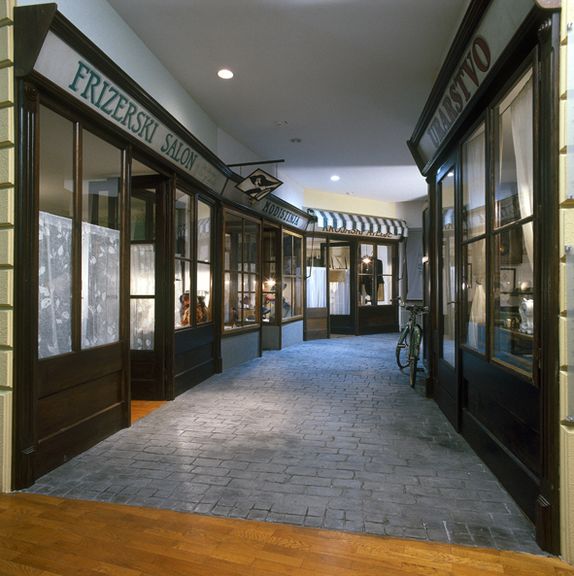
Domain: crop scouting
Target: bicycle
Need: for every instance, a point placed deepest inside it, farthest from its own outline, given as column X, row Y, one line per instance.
column 409, row 344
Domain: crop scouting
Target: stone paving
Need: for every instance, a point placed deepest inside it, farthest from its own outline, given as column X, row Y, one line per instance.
column 324, row 434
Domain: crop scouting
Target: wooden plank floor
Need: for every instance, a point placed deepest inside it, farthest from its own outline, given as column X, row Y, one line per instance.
column 141, row 408
column 46, row 536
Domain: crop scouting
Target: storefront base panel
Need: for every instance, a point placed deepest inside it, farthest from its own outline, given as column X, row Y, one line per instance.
column 271, row 337
column 378, row 319
column 445, row 394
column 59, row 448
column 5, row 440
column 567, row 493
column 292, row 333
column 522, row 485
column 316, row 323
column 240, row 348
column 194, row 357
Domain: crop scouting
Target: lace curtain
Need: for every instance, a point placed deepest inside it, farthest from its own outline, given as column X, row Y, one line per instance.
column 100, row 285
column 55, row 285
column 521, row 114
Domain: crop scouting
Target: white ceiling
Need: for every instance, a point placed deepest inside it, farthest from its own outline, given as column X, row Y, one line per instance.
column 349, row 78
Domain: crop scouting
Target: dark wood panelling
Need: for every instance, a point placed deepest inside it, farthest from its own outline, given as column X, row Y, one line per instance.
column 505, row 405
column 187, row 380
column 445, row 393
column 186, row 340
column 57, row 374
column 188, row 360
column 62, row 410
column 59, row 448
column 522, row 485
column 375, row 319
column 316, row 323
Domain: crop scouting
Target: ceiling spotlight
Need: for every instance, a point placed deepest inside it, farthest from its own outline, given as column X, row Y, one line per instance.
column 296, row 140
column 225, row 74
column 280, row 123
column 335, row 178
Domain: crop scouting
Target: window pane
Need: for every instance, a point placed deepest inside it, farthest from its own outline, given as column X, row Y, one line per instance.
column 475, row 285
column 203, row 232
column 514, row 174
column 56, row 195
column 514, row 297
column 142, row 270
column 142, row 319
column 384, row 274
column 366, row 283
column 339, row 280
column 316, row 274
column 474, row 184
column 268, row 310
column 182, row 293
column 182, row 224
column 54, row 285
column 56, row 164
column 203, row 305
column 448, row 277
column 292, row 289
column 102, row 165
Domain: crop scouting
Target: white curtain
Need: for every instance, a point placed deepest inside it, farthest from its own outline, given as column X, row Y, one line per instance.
column 316, row 284
column 100, row 285
column 521, row 115
column 54, row 285
column 340, row 292
column 475, row 182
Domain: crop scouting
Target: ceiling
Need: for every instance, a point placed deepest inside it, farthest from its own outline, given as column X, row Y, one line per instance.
column 345, row 79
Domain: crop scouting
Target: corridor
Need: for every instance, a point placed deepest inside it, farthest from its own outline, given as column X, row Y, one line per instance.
column 324, row 434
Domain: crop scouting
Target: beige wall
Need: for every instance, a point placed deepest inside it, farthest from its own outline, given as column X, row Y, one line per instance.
column 567, row 238
column 7, row 169
column 344, row 203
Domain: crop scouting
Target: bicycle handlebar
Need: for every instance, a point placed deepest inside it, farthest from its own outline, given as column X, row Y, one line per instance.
column 414, row 307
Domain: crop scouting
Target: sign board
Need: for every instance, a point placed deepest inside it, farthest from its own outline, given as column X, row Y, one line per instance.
column 259, row 184
column 492, row 36
column 74, row 74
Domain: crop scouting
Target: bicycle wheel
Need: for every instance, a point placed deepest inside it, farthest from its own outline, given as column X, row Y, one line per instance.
column 402, row 351
column 413, row 361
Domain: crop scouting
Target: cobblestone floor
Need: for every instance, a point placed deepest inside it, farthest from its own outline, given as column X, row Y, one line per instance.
column 325, row 434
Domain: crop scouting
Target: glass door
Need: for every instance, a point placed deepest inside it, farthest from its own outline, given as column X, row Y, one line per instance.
column 316, row 311
column 147, row 293
column 341, row 318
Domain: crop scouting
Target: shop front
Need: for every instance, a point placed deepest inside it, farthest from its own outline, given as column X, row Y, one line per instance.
column 145, row 260
column 486, row 144
column 353, row 265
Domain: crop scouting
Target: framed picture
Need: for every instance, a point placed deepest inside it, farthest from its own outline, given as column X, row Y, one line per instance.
column 507, row 280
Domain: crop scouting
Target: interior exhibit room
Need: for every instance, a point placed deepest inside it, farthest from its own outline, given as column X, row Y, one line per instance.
column 144, row 249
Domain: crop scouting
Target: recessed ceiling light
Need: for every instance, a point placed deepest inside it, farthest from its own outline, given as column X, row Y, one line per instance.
column 225, row 74
column 280, row 123
column 335, row 178
column 296, row 140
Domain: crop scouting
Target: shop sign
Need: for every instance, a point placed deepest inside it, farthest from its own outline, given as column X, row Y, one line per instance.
column 357, row 232
column 496, row 29
column 269, row 208
column 60, row 64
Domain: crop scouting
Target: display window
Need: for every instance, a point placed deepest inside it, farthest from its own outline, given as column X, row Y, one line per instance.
column 270, row 285
column 375, row 274
column 78, row 292
column 193, row 261
column 241, row 303
column 292, row 288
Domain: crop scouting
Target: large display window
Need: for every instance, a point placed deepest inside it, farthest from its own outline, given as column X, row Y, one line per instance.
column 63, row 281
column 375, row 274
column 241, row 302
column 292, row 291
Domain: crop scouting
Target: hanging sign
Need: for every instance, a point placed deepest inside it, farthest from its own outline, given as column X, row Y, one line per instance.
column 259, row 184
column 63, row 66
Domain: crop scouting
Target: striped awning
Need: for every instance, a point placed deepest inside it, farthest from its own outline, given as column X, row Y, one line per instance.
column 358, row 224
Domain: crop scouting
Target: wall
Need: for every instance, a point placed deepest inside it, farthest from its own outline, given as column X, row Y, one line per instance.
column 7, row 167
column 102, row 24
column 567, row 285
column 345, row 203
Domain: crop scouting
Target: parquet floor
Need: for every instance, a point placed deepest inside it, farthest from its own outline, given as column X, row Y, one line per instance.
column 47, row 536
